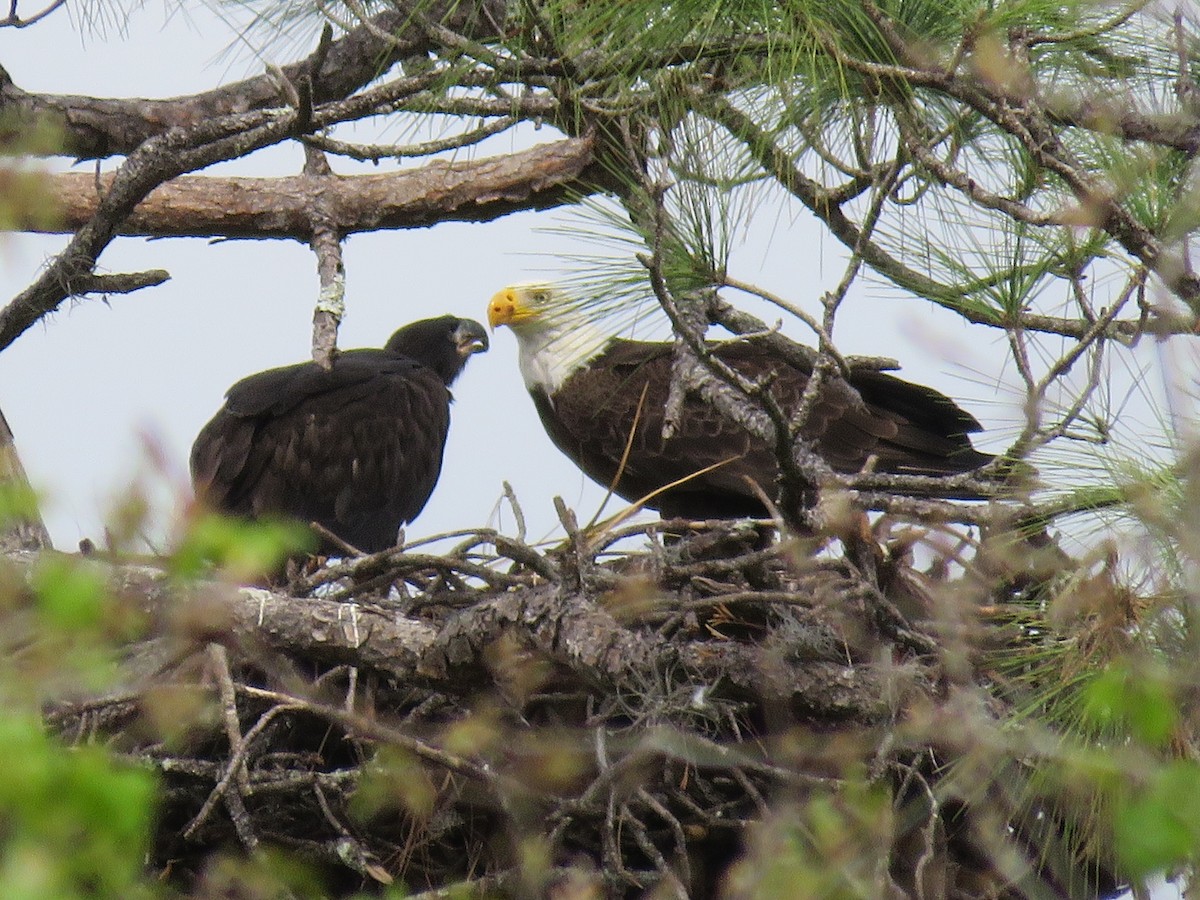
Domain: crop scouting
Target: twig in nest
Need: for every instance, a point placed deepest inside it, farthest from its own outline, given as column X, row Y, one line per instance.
column 574, row 542
column 888, row 618
column 338, row 542
column 349, row 849
column 371, row 728
column 518, row 514
column 642, row 837
column 676, row 831
column 235, row 761
column 219, row 660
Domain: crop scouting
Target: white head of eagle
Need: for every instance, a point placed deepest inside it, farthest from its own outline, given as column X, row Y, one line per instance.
column 555, row 334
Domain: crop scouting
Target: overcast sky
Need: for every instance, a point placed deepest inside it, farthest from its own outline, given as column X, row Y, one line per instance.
column 87, row 388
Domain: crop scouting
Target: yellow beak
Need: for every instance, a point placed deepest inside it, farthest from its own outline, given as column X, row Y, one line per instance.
column 507, row 307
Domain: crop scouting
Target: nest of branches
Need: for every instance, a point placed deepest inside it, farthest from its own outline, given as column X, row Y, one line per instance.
column 673, row 706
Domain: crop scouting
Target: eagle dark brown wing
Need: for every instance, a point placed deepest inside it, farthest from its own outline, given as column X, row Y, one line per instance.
column 904, row 427
column 357, row 448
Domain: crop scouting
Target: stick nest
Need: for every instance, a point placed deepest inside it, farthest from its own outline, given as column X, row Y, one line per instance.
column 609, row 716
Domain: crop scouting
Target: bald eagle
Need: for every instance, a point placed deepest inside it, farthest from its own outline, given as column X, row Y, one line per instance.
column 356, row 449
column 593, row 391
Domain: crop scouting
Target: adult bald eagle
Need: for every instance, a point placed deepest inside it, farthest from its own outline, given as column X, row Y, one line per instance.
column 357, row 448
column 588, row 387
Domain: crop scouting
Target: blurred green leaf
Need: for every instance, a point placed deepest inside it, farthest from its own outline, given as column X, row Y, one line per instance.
column 1158, row 825
column 395, row 778
column 245, row 550
column 1139, row 697
column 17, row 502
column 71, row 596
column 74, row 822
column 270, row 874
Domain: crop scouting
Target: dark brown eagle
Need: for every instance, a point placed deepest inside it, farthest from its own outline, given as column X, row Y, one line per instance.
column 593, row 390
column 356, row 448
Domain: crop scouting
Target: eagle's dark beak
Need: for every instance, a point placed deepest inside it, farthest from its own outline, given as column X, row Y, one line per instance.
column 470, row 337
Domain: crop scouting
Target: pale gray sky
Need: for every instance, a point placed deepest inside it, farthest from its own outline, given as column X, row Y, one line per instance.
column 83, row 389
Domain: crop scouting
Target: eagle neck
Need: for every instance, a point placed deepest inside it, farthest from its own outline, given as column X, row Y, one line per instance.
column 548, row 357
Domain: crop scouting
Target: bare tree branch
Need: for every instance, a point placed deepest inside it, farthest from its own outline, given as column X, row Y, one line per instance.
column 236, row 207
column 21, row 527
column 95, row 127
column 154, row 162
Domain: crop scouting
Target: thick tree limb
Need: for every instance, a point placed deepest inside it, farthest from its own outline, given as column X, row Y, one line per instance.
column 569, row 628
column 24, row 530
column 97, row 127
column 478, row 191
column 154, row 162
column 325, row 630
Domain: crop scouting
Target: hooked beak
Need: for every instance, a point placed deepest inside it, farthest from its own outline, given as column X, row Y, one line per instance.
column 470, row 337
column 507, row 307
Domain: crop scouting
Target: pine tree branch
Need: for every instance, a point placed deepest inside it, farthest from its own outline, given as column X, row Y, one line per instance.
column 96, row 127
column 235, row 207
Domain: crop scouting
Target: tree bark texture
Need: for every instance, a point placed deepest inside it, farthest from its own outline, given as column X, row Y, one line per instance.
column 23, row 529
column 476, row 191
column 98, row 127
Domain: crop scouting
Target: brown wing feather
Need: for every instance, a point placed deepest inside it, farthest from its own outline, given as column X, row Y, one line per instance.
column 357, row 449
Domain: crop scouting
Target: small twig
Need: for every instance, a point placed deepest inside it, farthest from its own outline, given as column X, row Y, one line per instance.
column 518, row 514
column 234, row 762
column 575, row 542
column 379, row 568
column 370, row 728
column 12, row 20
column 888, row 618
column 756, row 597
column 1033, row 435
column 326, row 244
column 676, row 829
column 376, row 152
column 350, row 849
column 219, row 660
column 642, row 838
column 316, row 62
column 125, row 283
column 338, row 541
column 240, row 817
column 817, row 328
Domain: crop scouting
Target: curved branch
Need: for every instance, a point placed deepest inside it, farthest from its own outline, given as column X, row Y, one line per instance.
column 97, row 127
column 157, row 160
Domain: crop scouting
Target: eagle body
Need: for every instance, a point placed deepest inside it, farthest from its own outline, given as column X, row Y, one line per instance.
column 356, row 448
column 602, row 401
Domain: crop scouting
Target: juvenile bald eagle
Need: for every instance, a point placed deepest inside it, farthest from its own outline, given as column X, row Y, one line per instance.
column 588, row 387
column 357, row 448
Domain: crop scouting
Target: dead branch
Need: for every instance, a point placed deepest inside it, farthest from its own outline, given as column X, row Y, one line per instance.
column 476, row 191
column 156, row 161
column 97, row 128
column 22, row 528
